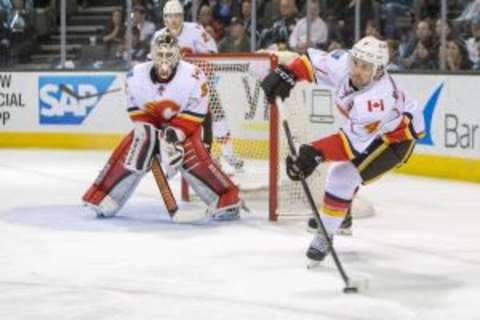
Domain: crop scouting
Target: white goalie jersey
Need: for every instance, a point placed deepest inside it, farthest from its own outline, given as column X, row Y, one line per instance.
column 184, row 97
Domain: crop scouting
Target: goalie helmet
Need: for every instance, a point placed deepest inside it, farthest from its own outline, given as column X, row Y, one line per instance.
column 165, row 54
column 173, row 16
column 371, row 50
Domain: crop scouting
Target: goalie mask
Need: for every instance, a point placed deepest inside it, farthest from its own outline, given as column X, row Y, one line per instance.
column 369, row 58
column 165, row 54
column 173, row 17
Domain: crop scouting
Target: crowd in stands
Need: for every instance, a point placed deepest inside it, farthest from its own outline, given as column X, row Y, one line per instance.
column 412, row 28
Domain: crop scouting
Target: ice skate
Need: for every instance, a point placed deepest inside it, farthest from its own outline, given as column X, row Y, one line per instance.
column 318, row 249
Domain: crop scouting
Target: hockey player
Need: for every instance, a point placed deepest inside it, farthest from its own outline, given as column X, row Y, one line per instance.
column 166, row 97
column 382, row 125
column 193, row 39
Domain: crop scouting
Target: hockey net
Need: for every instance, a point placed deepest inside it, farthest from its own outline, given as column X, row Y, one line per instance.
column 237, row 100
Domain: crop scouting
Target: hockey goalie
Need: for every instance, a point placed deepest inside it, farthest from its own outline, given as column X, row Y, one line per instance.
column 167, row 102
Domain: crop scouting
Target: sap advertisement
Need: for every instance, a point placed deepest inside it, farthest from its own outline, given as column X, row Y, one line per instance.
column 62, row 102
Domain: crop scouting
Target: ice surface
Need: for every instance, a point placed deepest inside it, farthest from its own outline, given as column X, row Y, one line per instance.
column 421, row 253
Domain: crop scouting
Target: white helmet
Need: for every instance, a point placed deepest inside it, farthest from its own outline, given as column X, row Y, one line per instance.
column 165, row 54
column 371, row 50
column 173, row 11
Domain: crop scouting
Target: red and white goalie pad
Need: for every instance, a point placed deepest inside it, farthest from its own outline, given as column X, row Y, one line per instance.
column 123, row 171
column 210, row 183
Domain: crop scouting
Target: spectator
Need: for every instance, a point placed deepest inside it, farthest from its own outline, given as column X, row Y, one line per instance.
column 457, row 56
column 448, row 30
column 392, row 9
column 4, row 41
column 138, row 51
column 473, row 44
column 318, row 29
column 283, row 26
column 205, row 18
column 224, row 10
column 237, row 41
column 371, row 29
column 394, row 63
column 246, row 16
column 341, row 18
column 140, row 22
column 423, row 58
column 269, row 11
column 114, row 33
column 21, row 31
column 423, row 33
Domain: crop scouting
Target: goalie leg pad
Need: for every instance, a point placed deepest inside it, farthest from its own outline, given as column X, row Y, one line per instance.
column 207, row 180
column 122, row 173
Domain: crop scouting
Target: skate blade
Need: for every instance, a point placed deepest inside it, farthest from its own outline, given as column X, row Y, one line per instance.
column 313, row 264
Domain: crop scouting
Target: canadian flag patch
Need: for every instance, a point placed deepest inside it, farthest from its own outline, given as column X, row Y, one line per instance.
column 375, row 105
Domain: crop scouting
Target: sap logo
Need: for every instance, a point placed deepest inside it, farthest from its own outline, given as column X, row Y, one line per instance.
column 68, row 100
column 428, row 115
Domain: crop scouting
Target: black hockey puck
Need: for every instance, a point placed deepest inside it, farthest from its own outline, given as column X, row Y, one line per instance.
column 350, row 290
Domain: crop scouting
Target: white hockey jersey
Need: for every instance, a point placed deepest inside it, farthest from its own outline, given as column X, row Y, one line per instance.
column 371, row 111
column 182, row 99
column 193, row 39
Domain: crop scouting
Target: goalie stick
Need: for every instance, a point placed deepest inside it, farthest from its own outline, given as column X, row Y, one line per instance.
column 349, row 287
column 72, row 93
column 164, row 187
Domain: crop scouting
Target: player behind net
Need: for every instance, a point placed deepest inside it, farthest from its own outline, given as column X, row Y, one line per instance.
column 193, row 39
column 166, row 97
column 381, row 128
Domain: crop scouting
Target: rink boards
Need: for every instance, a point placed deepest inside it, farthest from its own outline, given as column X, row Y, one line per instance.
column 75, row 110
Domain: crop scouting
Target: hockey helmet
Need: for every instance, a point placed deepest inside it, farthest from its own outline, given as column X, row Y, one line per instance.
column 371, row 50
column 165, row 54
column 173, row 16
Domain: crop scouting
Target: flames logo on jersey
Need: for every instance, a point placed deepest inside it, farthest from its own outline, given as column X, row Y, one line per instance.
column 162, row 109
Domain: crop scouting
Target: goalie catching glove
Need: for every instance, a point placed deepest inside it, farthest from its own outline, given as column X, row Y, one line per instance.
column 304, row 164
column 278, row 83
column 174, row 138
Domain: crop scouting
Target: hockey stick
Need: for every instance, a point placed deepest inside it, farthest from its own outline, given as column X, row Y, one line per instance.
column 164, row 187
column 349, row 288
column 72, row 93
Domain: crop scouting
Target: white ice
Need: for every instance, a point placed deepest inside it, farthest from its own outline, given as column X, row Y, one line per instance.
column 421, row 254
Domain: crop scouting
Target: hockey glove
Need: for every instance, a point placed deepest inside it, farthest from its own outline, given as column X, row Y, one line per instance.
column 304, row 164
column 174, row 135
column 278, row 83
column 175, row 152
